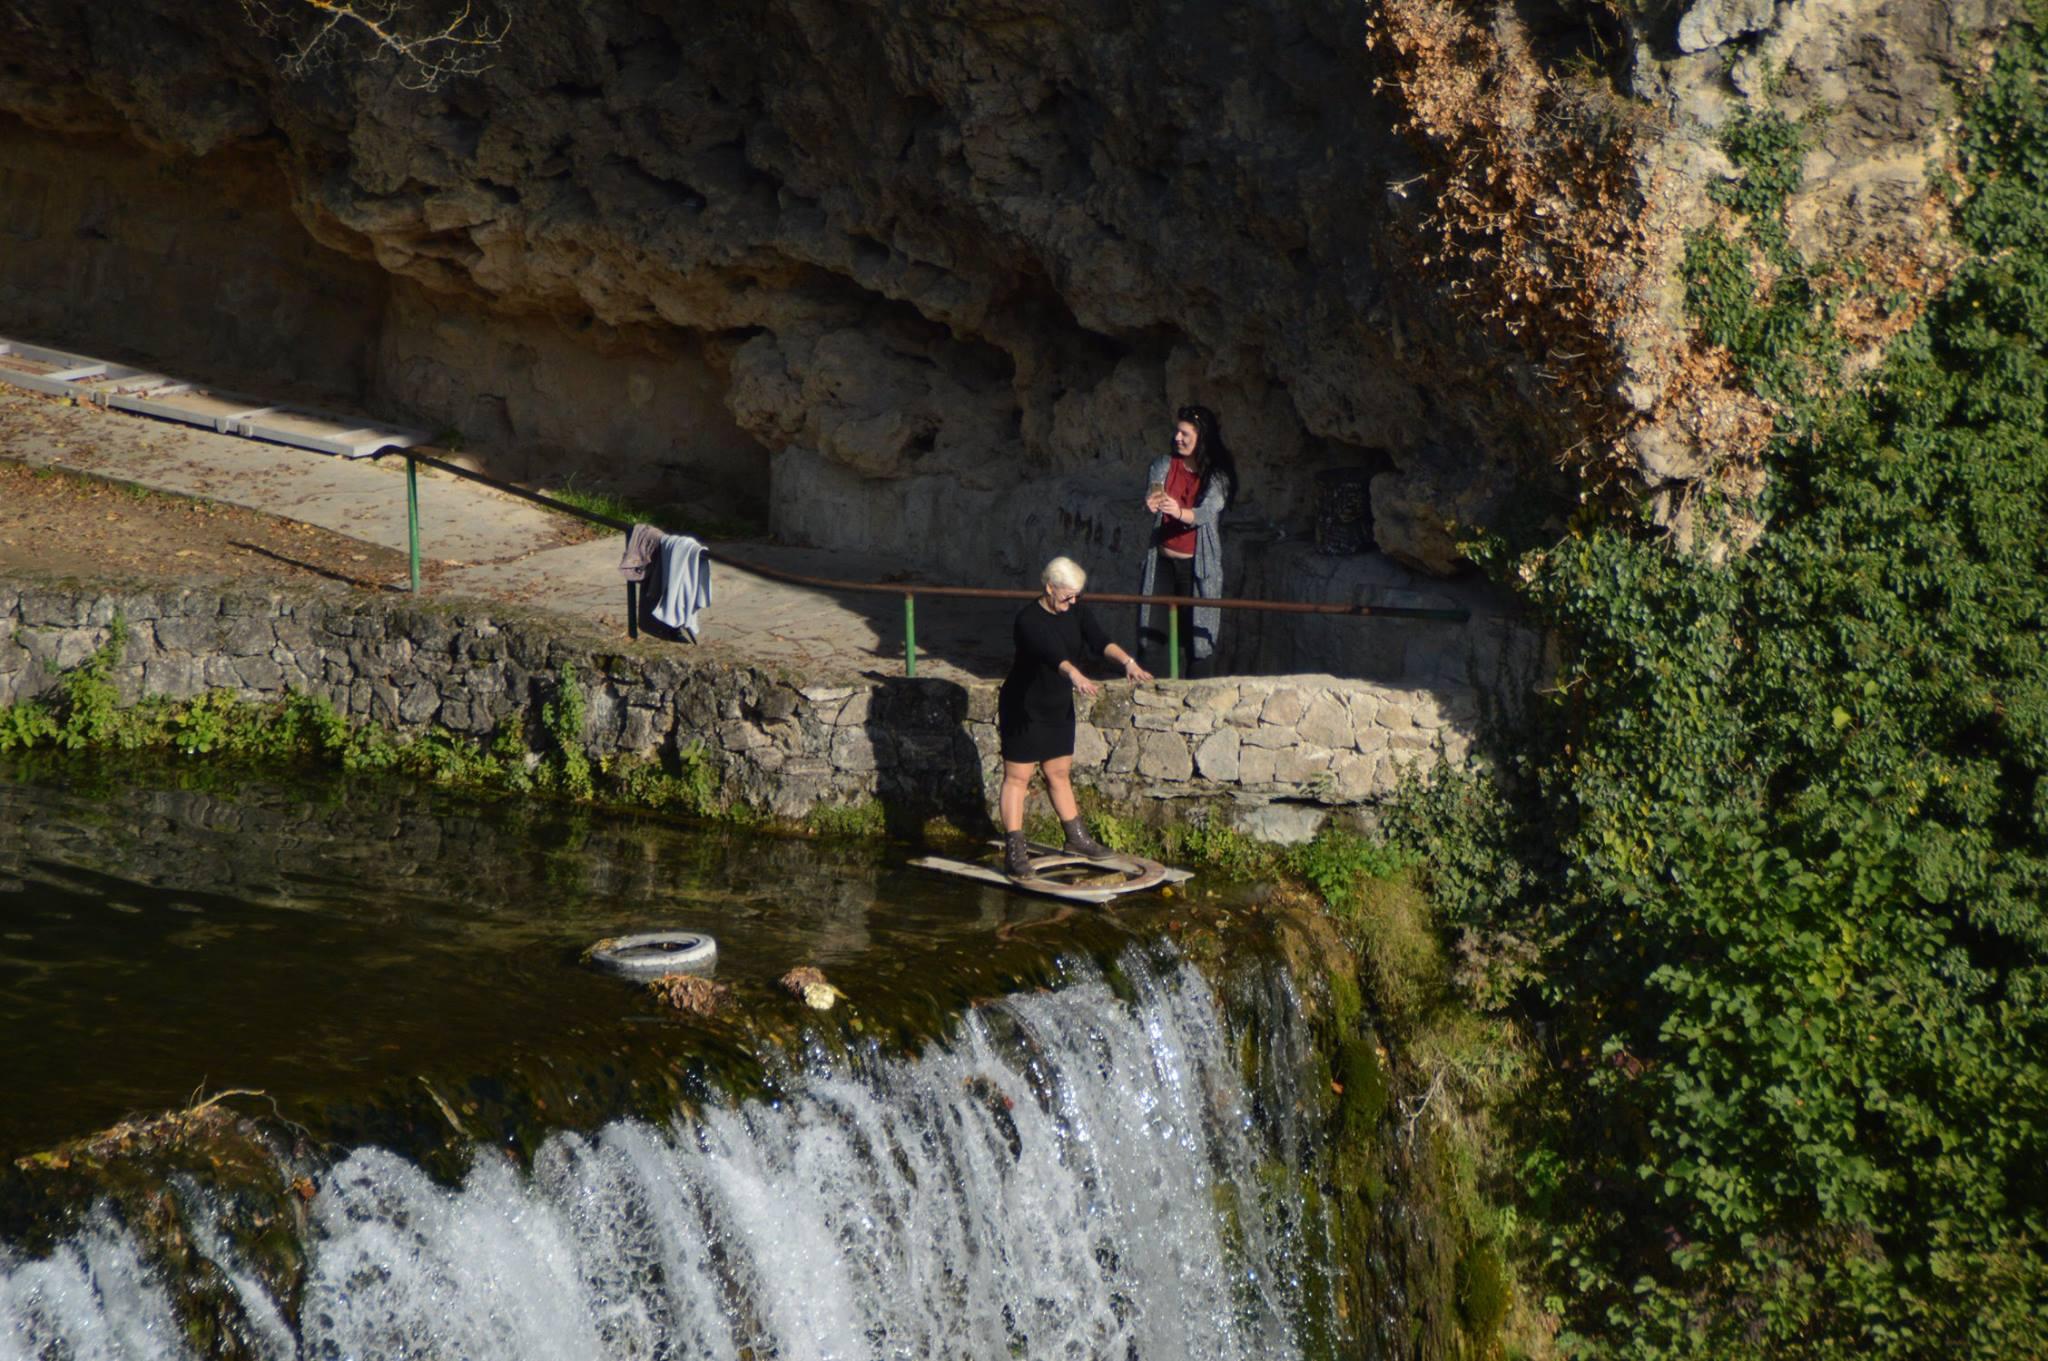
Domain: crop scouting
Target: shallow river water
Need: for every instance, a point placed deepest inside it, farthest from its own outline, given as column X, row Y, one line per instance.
column 161, row 936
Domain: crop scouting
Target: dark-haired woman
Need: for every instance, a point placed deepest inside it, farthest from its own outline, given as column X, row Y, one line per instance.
column 1188, row 490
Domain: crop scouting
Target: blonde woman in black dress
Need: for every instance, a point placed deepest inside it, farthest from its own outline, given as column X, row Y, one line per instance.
column 1035, row 708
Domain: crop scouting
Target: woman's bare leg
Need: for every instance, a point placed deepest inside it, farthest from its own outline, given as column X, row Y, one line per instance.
column 1016, row 789
column 1059, row 782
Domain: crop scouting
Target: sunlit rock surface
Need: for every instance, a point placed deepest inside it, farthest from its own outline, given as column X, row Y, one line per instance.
column 934, row 277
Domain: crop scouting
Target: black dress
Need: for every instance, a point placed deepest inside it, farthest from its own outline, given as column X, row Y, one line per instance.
column 1035, row 708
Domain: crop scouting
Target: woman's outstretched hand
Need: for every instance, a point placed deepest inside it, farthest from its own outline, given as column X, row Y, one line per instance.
column 1081, row 682
column 1132, row 671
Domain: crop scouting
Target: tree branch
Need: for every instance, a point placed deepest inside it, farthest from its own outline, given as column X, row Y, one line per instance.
column 317, row 33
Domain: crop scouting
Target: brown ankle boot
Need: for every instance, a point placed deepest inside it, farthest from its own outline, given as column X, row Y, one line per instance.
column 1080, row 843
column 1016, row 857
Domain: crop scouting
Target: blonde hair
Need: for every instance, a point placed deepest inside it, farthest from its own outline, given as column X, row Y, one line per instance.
column 1065, row 573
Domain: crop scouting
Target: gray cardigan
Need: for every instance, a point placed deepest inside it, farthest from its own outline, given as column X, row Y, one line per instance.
column 1208, row 562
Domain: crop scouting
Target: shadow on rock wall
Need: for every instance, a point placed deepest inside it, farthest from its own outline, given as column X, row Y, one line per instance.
column 925, row 759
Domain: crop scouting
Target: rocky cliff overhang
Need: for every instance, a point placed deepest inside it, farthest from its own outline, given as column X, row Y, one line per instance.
column 973, row 255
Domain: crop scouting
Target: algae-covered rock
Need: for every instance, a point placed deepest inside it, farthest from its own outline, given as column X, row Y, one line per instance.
column 163, row 1175
column 1362, row 1073
column 1483, row 1292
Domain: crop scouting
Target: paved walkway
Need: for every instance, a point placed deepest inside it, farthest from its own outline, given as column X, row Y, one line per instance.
column 484, row 543
column 501, row 547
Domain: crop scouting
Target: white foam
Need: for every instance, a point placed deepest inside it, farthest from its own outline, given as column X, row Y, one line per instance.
column 1073, row 1176
column 93, row 1299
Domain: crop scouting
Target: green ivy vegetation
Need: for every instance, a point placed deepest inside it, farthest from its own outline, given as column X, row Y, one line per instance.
column 1771, row 867
column 1418, row 1076
column 1203, row 841
column 83, row 710
column 690, row 786
column 562, row 718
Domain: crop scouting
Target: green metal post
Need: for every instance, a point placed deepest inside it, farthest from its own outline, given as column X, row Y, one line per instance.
column 1173, row 642
column 412, row 516
column 909, row 634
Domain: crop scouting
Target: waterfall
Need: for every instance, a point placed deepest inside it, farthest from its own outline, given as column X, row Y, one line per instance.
column 1074, row 1173
column 93, row 1300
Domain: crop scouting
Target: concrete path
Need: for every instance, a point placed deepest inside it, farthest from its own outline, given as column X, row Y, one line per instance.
column 501, row 547
column 482, row 543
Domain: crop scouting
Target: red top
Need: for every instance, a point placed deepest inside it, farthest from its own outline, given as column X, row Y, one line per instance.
column 1183, row 486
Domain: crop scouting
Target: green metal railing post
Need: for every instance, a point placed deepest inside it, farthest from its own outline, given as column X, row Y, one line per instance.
column 1173, row 642
column 909, row 634
column 412, row 516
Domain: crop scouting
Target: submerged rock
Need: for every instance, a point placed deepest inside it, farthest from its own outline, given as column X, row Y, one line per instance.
column 692, row 994
column 809, row 985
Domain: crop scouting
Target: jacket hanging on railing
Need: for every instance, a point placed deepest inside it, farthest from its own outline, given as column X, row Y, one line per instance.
column 685, row 583
column 642, row 543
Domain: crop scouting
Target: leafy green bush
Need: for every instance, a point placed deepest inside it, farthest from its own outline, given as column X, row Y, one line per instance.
column 1781, row 846
column 1370, row 888
column 82, row 710
column 692, row 787
column 25, row 725
column 206, row 724
column 308, row 725
column 1335, row 861
column 88, row 703
column 562, row 718
column 698, row 778
column 1767, row 146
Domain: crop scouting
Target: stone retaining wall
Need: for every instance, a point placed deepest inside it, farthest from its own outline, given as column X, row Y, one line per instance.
column 1278, row 754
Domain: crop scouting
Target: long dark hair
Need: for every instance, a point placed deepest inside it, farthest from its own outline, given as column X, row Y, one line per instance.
column 1211, row 455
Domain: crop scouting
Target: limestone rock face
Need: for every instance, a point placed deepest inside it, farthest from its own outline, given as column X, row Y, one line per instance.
column 1564, row 208
column 927, row 276
column 1709, row 23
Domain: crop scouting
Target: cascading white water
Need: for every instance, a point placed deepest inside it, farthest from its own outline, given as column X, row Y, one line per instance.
column 93, row 1300
column 1073, row 1175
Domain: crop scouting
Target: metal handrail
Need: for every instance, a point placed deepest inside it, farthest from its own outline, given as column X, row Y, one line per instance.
column 908, row 590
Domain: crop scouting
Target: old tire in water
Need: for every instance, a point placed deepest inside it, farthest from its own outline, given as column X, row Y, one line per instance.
column 648, row 953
